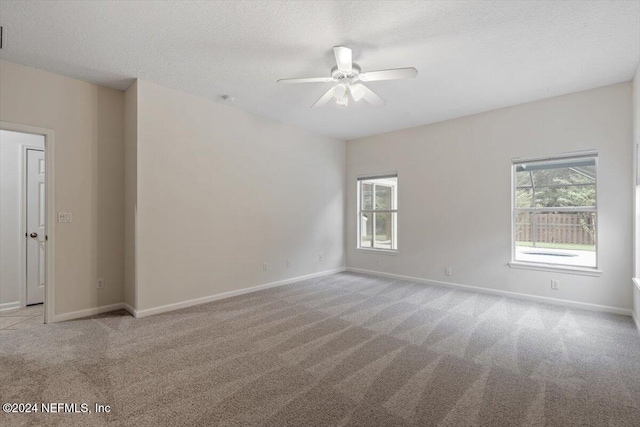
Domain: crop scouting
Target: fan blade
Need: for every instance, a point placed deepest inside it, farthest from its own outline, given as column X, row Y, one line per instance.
column 328, row 96
column 343, row 58
column 308, row 80
column 393, row 74
column 371, row 97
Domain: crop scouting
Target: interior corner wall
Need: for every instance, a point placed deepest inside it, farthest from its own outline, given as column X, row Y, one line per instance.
column 220, row 192
column 636, row 211
column 454, row 195
column 130, row 192
column 87, row 121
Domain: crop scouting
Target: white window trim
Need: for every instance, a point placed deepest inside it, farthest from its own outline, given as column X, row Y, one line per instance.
column 570, row 269
column 379, row 251
column 359, row 212
column 582, row 271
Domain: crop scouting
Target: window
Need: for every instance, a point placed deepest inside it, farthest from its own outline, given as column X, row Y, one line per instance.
column 555, row 211
column 377, row 212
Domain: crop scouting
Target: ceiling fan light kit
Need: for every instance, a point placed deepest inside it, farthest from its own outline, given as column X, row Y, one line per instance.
column 356, row 91
column 349, row 76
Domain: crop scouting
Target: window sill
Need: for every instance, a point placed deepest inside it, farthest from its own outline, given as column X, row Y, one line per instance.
column 583, row 271
column 378, row 251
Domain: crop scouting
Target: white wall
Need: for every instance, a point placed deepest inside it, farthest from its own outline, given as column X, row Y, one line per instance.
column 636, row 142
column 130, row 192
column 87, row 121
column 454, row 192
column 11, row 211
column 221, row 191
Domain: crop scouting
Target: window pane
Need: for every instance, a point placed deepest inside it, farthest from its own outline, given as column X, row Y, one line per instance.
column 366, row 230
column 557, row 183
column 566, row 230
column 384, row 196
column 385, row 229
column 367, row 199
column 378, row 229
column 567, row 238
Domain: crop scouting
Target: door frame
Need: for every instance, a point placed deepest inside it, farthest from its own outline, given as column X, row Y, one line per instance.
column 24, row 171
column 49, row 286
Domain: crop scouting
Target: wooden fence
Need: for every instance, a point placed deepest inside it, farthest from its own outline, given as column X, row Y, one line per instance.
column 574, row 227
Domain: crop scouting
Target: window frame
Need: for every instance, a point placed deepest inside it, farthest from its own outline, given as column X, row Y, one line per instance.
column 554, row 266
column 360, row 211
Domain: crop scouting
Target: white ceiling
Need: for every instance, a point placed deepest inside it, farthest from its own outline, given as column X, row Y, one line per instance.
column 472, row 56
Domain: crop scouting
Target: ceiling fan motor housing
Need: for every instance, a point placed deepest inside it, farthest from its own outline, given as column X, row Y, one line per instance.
column 339, row 75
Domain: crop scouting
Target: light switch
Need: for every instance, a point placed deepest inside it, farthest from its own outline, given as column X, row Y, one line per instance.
column 65, row 217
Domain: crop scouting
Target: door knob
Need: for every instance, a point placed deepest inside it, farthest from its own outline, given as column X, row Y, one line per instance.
column 34, row 235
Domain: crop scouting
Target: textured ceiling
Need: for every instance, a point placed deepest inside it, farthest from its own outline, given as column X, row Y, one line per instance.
column 471, row 56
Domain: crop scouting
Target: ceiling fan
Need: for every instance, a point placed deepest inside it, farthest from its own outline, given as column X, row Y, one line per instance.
column 349, row 78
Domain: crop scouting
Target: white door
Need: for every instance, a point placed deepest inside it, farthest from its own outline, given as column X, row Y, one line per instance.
column 35, row 235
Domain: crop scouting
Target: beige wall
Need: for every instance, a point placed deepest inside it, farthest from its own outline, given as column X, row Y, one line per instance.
column 89, row 177
column 455, row 194
column 221, row 191
column 229, row 191
column 130, row 192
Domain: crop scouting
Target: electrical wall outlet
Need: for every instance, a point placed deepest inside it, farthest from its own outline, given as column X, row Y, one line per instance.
column 265, row 266
column 378, row 263
column 100, row 283
column 555, row 285
column 288, row 263
column 447, row 271
column 320, row 257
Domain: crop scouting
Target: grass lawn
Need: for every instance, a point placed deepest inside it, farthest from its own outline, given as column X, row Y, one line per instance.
column 566, row 246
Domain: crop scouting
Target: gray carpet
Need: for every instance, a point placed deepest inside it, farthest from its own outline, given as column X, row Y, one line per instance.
column 342, row 350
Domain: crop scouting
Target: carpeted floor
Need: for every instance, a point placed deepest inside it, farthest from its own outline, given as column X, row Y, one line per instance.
column 344, row 350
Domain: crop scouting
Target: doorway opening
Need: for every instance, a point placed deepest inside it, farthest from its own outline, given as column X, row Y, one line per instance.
column 25, row 226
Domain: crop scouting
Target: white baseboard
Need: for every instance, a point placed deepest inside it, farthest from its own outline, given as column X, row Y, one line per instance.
column 529, row 297
column 130, row 309
column 87, row 312
column 9, row 305
column 216, row 297
column 636, row 317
